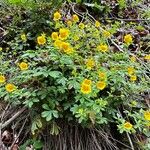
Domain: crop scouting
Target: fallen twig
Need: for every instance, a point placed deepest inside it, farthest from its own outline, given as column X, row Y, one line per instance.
column 14, row 142
column 13, row 117
column 130, row 141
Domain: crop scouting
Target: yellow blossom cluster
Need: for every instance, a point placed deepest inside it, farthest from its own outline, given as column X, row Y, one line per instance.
column 10, row 87
column 132, row 74
column 101, row 84
column 57, row 16
column 86, row 86
column 59, row 42
column 90, row 63
column 102, row 48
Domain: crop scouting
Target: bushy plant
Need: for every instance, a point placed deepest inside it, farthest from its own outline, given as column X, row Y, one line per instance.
column 76, row 73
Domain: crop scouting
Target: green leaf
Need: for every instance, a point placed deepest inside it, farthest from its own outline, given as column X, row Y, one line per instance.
column 55, row 74
column 28, row 103
column 62, row 81
column 37, row 144
column 35, row 100
column 54, row 129
column 66, row 60
column 47, row 115
column 45, row 106
column 55, row 114
column 78, row 1
column 36, row 124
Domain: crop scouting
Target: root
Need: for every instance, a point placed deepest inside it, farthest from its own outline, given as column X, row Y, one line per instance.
column 75, row 137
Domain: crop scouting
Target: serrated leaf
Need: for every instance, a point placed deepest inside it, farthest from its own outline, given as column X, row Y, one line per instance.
column 55, row 74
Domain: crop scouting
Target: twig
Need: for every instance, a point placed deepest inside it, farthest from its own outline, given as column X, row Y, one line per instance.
column 1, row 125
column 121, row 19
column 3, row 113
column 116, row 45
column 114, row 139
column 72, row 6
column 95, row 141
column 130, row 141
column 18, row 134
column 13, row 117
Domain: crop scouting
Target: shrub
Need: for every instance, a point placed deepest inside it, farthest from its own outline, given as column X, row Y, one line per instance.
column 76, row 74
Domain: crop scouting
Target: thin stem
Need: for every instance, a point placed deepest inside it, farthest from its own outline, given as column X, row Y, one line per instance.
column 130, row 141
column 13, row 117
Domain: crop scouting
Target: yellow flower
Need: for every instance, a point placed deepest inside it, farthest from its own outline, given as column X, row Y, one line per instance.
column 81, row 25
column 69, row 23
column 131, row 70
column 85, row 89
column 2, row 79
column 23, row 66
column 87, row 81
column 106, row 34
column 65, row 46
column 23, row 37
column 147, row 115
column 58, row 43
column 103, row 48
column 41, row 40
column 10, row 87
column 75, row 18
column 102, row 75
column 97, row 24
column 128, row 125
column 57, row 16
column 133, row 58
column 54, row 36
column 1, row 48
column 63, row 33
column 128, row 39
column 101, row 85
column 147, row 57
column 90, row 63
column 133, row 77
column 69, row 50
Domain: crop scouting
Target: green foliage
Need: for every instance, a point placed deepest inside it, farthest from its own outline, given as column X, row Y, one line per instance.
column 37, row 144
column 52, row 81
column 122, row 3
